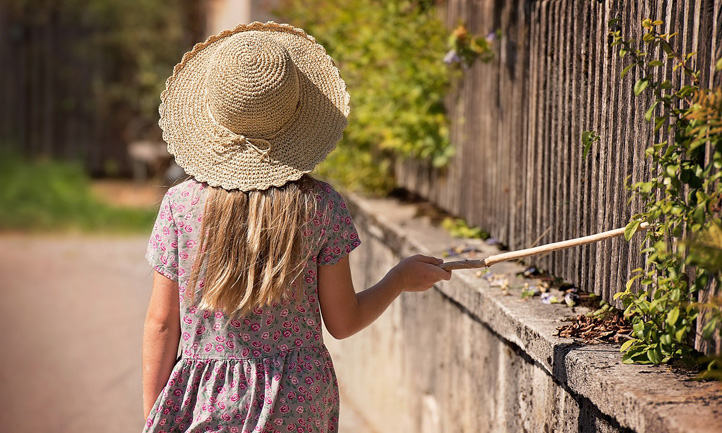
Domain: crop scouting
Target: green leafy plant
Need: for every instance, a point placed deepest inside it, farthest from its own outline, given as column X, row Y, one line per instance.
column 588, row 138
column 681, row 197
column 458, row 228
column 50, row 195
column 389, row 55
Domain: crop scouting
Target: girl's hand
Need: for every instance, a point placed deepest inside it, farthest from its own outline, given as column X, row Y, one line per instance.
column 418, row 273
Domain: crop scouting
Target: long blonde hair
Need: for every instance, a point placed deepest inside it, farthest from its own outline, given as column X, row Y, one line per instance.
column 252, row 250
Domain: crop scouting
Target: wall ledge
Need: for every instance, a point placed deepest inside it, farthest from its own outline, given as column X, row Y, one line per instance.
column 641, row 398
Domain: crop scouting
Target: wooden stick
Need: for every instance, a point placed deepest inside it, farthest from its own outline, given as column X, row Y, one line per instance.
column 513, row 255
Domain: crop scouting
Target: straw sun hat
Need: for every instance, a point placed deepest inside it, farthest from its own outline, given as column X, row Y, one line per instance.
column 253, row 107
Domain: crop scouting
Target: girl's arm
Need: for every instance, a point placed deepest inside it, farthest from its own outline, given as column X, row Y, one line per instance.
column 161, row 335
column 346, row 312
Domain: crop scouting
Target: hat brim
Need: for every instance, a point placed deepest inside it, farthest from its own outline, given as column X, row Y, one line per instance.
column 316, row 128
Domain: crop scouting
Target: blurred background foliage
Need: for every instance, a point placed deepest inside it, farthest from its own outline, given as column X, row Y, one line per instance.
column 390, row 55
column 50, row 195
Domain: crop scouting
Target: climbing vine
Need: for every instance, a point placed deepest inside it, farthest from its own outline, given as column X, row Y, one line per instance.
column 681, row 201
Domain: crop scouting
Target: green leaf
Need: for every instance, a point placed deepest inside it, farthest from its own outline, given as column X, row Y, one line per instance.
column 650, row 111
column 630, row 230
column 640, row 85
column 686, row 90
column 679, row 335
column 654, row 356
column 629, row 284
column 588, row 138
column 639, row 329
column 718, row 66
column 627, row 344
column 668, row 49
column 709, row 328
column 626, row 69
column 656, row 63
column 672, row 316
column 659, row 123
column 666, row 339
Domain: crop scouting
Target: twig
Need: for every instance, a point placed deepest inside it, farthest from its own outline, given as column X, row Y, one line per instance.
column 514, row 255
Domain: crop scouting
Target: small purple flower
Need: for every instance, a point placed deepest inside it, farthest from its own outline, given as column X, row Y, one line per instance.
column 571, row 299
column 547, row 298
column 452, row 57
column 493, row 241
column 530, row 271
column 491, row 36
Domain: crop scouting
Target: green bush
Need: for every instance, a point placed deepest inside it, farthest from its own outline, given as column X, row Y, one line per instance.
column 390, row 55
column 48, row 195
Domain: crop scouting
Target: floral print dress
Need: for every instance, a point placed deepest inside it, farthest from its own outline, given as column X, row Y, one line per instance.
column 267, row 371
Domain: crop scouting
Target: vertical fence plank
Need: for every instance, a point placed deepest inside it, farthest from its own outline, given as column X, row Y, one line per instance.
column 531, row 113
column 543, row 113
column 575, row 128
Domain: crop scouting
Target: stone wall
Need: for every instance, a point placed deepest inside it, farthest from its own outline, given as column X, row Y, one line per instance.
column 463, row 357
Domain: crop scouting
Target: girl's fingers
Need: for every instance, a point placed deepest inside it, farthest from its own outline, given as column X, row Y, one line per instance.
column 443, row 274
column 427, row 259
column 438, row 272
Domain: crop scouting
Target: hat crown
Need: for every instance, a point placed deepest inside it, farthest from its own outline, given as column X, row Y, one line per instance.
column 252, row 85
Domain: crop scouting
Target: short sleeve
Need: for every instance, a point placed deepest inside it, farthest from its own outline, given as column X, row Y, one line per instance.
column 338, row 234
column 162, row 252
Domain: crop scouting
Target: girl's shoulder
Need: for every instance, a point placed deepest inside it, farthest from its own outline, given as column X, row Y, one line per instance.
column 189, row 190
column 331, row 205
column 326, row 193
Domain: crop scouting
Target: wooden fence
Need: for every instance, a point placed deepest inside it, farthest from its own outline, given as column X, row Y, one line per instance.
column 519, row 172
column 54, row 75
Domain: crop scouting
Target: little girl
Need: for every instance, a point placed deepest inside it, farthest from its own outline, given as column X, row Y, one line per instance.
column 251, row 252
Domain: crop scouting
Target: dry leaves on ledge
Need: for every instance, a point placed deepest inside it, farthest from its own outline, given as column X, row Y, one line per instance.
column 611, row 328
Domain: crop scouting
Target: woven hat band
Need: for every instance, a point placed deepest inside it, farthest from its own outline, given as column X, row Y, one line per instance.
column 252, row 85
column 229, row 141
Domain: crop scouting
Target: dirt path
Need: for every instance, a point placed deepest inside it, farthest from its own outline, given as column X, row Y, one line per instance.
column 72, row 315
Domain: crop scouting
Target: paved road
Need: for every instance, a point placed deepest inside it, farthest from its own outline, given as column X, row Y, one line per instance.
column 71, row 313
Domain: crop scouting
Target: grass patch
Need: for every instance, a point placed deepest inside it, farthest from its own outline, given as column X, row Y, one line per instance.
column 49, row 195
